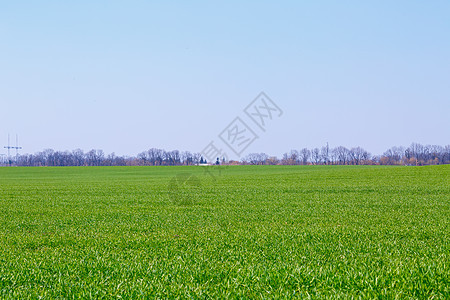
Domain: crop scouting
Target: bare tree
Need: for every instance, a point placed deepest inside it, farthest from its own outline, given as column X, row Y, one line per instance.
column 294, row 157
column 187, row 158
column 285, row 159
column 325, row 154
column 305, row 154
column 263, row 157
column 255, row 158
column 273, row 160
column 315, row 156
column 196, row 158
column 357, row 155
column 342, row 155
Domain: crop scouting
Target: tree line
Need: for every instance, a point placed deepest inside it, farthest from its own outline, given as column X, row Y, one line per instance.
column 151, row 157
column 415, row 154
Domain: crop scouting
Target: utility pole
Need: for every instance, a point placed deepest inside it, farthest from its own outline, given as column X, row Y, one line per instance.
column 17, row 149
column 9, row 147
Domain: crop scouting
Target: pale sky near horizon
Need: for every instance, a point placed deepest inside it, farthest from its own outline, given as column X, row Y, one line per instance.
column 126, row 76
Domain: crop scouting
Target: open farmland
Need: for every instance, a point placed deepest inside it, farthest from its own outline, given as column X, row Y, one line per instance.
column 240, row 231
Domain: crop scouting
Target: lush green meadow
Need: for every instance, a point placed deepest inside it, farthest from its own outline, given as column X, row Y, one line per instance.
column 238, row 232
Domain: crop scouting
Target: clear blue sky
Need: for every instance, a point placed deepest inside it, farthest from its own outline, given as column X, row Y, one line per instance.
column 124, row 76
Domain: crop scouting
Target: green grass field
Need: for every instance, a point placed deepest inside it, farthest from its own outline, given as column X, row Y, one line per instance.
column 237, row 232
